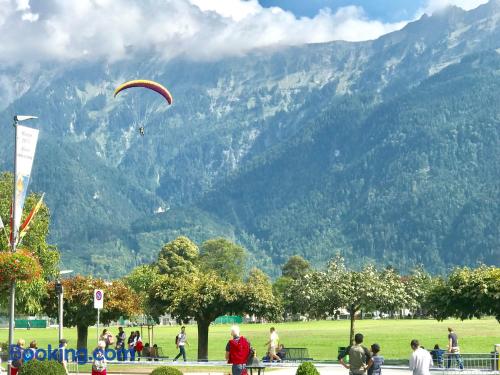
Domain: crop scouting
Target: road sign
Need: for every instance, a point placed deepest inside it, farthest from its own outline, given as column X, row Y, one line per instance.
column 98, row 299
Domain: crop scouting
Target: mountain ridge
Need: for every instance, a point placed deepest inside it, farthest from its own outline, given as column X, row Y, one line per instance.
column 237, row 117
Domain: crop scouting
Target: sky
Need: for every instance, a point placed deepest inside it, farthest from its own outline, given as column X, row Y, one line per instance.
column 111, row 30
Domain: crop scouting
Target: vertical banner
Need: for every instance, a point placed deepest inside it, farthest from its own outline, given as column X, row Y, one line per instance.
column 26, row 139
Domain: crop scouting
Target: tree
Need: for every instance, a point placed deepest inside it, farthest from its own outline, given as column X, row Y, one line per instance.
column 295, row 267
column 178, row 257
column 208, row 292
column 29, row 294
column 140, row 280
column 466, row 293
column 417, row 287
column 119, row 301
column 224, row 257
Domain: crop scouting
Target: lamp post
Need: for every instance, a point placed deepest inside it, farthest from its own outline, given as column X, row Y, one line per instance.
column 13, row 244
column 59, row 292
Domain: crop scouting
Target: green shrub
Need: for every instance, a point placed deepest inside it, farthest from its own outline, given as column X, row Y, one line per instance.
column 42, row 368
column 166, row 370
column 307, row 368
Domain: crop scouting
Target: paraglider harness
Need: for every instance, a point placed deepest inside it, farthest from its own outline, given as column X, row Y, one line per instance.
column 141, row 131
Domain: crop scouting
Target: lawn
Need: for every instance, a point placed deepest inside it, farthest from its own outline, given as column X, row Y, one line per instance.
column 322, row 338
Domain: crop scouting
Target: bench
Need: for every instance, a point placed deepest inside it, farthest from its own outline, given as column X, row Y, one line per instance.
column 297, row 355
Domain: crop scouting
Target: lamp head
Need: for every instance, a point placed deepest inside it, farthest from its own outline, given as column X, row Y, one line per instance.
column 19, row 118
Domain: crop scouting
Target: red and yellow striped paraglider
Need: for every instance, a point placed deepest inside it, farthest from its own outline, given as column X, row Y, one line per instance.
column 151, row 85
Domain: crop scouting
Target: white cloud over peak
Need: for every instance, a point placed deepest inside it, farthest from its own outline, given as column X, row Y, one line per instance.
column 434, row 5
column 202, row 29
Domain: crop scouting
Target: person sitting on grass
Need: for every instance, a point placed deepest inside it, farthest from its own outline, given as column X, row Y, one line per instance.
column 281, row 352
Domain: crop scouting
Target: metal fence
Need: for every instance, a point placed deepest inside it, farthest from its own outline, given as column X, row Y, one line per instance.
column 472, row 364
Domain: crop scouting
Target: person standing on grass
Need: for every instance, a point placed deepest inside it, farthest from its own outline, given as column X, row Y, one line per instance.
column 359, row 357
column 420, row 360
column 237, row 352
column 180, row 343
column 62, row 355
column 120, row 344
column 272, row 345
column 454, row 349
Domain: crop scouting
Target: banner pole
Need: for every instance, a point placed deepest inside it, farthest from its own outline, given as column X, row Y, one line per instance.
column 12, row 296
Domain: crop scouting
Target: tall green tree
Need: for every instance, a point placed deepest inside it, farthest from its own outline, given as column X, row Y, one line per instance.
column 208, row 291
column 466, row 293
column 29, row 294
column 178, row 257
column 79, row 311
column 224, row 257
column 140, row 281
column 295, row 267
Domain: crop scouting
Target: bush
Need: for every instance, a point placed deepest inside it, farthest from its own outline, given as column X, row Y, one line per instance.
column 42, row 368
column 165, row 370
column 307, row 368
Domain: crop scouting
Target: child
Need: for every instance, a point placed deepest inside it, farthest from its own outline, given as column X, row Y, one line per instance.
column 437, row 356
column 378, row 361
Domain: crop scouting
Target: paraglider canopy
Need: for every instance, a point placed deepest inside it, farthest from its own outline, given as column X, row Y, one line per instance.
column 155, row 86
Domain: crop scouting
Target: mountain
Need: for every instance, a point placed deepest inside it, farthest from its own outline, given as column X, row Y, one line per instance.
column 384, row 150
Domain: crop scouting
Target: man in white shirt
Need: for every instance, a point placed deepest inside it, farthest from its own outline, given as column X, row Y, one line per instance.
column 420, row 360
column 181, row 342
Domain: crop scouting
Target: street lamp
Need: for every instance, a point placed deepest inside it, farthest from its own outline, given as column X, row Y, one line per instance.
column 12, row 294
column 59, row 291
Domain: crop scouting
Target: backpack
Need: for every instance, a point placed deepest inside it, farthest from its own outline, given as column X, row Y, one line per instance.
column 239, row 351
column 139, row 346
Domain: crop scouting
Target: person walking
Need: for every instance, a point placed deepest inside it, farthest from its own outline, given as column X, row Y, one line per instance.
column 359, row 357
column 99, row 362
column 237, row 352
column 180, row 343
column 454, row 349
column 420, row 360
column 272, row 345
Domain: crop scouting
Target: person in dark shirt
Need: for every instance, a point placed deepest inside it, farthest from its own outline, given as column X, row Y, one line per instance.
column 437, row 356
column 454, row 349
column 359, row 357
column 377, row 361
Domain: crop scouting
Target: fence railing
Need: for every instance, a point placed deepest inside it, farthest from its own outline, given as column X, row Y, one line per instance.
column 486, row 363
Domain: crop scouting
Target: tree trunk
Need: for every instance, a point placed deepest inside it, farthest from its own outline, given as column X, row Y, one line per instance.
column 352, row 315
column 82, row 335
column 203, row 327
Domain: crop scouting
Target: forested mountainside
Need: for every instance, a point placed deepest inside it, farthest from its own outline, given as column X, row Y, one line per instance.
column 384, row 150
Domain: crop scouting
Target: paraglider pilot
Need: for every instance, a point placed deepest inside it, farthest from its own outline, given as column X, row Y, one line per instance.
column 141, row 130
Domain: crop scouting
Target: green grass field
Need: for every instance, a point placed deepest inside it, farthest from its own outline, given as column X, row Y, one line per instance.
column 322, row 338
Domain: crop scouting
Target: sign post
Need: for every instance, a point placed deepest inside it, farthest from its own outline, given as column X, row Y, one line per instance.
column 98, row 304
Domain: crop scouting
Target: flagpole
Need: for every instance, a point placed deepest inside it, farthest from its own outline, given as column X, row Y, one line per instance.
column 13, row 236
column 12, row 294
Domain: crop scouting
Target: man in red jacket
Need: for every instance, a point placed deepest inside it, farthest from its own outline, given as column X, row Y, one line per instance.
column 237, row 352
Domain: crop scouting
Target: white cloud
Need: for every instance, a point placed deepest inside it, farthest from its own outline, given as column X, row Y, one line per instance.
column 434, row 5
column 114, row 29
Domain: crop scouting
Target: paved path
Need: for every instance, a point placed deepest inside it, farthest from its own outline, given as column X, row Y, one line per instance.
column 275, row 370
